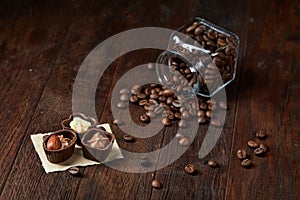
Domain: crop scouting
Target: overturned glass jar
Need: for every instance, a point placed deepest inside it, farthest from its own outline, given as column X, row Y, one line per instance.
column 205, row 54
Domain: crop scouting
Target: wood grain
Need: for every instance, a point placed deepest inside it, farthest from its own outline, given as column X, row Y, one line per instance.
column 42, row 46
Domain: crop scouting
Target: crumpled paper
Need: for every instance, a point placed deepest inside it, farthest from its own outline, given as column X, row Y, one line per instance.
column 76, row 159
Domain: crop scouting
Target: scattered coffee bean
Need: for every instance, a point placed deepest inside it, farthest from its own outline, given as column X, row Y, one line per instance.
column 263, row 146
column 201, row 120
column 259, row 151
column 246, row 163
column 166, row 122
column 190, row 169
column 261, row 134
column 128, row 138
column 212, row 163
column 74, row 171
column 241, row 154
column 156, row 184
column 144, row 118
column 184, row 141
column 252, row 144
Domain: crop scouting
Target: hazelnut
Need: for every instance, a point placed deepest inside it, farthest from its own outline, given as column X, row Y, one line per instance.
column 53, row 143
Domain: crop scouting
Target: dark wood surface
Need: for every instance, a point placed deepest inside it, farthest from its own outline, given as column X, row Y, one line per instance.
column 43, row 43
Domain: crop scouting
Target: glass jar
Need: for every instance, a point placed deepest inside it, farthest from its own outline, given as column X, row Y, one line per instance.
column 205, row 54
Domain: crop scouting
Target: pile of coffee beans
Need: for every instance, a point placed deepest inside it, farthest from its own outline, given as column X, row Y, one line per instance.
column 259, row 149
column 159, row 100
column 222, row 46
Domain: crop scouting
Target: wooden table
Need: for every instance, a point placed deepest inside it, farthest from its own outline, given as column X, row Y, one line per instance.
column 43, row 44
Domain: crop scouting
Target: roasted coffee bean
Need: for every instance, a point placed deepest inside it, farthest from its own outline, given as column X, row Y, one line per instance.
column 223, row 105
column 208, row 114
column 148, row 107
column 184, row 141
column 147, row 91
column 241, row 154
column 141, row 96
column 154, row 96
column 162, row 98
column 190, row 169
column 170, row 100
column 152, row 102
column 124, row 97
column 263, row 146
column 74, row 171
column 144, row 118
column 128, row 138
column 201, row 120
column 166, row 122
column 252, row 144
column 182, row 123
column 121, row 105
column 143, row 102
column 156, row 184
column 125, row 91
column 261, row 134
column 211, row 106
column 133, row 99
column 201, row 113
column 177, row 115
column 259, row 151
column 136, row 89
column 246, row 163
column 212, row 163
column 145, row 162
column 168, row 92
column 203, row 106
column 176, row 103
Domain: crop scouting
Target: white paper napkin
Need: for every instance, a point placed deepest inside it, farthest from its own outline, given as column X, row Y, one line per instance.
column 76, row 159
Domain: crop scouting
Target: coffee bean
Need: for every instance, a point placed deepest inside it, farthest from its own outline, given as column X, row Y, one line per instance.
column 263, row 146
column 162, row 98
column 156, row 184
column 133, row 99
column 136, row 89
column 201, row 113
column 170, row 100
column 152, row 102
column 259, row 151
column 144, row 118
column 212, row 163
column 190, row 169
column 143, row 102
column 252, row 144
column 261, row 134
column 154, row 96
column 246, row 163
column 124, row 97
column 184, row 141
column 168, row 92
column 201, row 120
column 176, row 103
column 223, row 105
column 125, row 91
column 166, row 122
column 211, row 106
column 141, row 96
column 177, row 115
column 74, row 171
column 208, row 114
column 241, row 154
column 128, row 138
